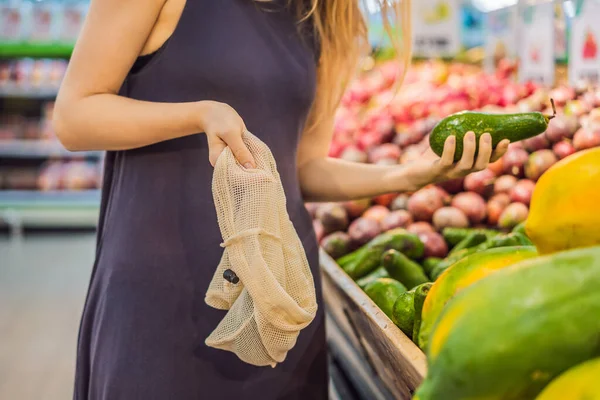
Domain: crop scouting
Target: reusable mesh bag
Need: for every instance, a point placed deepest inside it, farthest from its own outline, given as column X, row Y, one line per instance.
column 275, row 296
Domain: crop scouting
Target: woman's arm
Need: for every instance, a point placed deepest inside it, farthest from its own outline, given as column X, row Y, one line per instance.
column 327, row 179
column 90, row 115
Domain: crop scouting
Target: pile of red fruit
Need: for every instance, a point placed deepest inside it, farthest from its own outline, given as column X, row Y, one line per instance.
column 371, row 128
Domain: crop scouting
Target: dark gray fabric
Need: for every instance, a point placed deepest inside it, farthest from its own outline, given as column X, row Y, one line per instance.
column 145, row 321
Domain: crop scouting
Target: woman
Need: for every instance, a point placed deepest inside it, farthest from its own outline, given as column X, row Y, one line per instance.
column 164, row 86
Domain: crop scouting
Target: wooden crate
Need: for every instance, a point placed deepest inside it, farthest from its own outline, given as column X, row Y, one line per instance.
column 396, row 360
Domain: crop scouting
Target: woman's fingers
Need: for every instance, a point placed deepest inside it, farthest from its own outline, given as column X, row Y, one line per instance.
column 240, row 151
column 500, row 150
column 215, row 148
column 448, row 155
column 485, row 151
column 468, row 155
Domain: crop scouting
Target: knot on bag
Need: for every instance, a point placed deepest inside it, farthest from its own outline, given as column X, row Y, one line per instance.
column 275, row 296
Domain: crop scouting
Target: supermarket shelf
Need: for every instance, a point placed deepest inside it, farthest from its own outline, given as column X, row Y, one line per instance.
column 35, row 50
column 31, row 199
column 41, row 149
column 28, row 92
column 30, row 209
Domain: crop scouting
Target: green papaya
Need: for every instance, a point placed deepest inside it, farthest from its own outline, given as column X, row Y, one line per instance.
column 421, row 293
column 509, row 334
column 514, row 127
column 373, row 276
column 403, row 314
column 367, row 258
column 384, row 292
column 403, row 269
column 464, row 273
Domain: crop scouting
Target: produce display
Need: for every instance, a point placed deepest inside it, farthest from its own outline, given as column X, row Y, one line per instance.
column 496, row 276
column 20, row 126
column 508, row 335
column 31, row 74
column 568, row 193
column 581, row 382
column 52, row 175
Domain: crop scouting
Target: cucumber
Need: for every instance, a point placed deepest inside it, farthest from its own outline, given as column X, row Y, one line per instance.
column 404, row 270
column 473, row 239
column 367, row 258
column 421, row 292
column 403, row 314
column 514, row 127
column 384, row 292
column 429, row 264
column 373, row 276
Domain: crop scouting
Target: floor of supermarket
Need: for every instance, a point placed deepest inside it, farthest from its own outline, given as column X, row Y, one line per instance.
column 43, row 281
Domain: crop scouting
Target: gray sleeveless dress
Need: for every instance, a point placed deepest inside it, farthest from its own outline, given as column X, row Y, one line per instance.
column 145, row 321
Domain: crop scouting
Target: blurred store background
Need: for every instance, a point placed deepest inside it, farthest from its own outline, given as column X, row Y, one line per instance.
column 49, row 197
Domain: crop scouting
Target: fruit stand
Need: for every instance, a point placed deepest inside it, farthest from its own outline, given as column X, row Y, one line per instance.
column 388, row 352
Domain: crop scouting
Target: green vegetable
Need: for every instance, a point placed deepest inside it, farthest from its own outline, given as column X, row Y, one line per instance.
column 373, row 276
column 403, row 314
column 384, row 292
column 421, row 292
column 473, row 239
column 508, row 335
column 453, row 236
column 403, row 269
column 513, row 127
column 523, row 239
column 520, row 228
column 430, row 263
column 364, row 260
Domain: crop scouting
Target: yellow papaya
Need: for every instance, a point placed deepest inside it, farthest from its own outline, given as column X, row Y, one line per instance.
column 507, row 336
column 581, row 382
column 564, row 207
column 463, row 274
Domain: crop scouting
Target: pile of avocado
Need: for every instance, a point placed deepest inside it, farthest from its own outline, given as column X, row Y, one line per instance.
column 393, row 273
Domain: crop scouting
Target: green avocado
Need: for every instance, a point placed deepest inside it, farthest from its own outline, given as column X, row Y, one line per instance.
column 384, row 292
column 514, row 127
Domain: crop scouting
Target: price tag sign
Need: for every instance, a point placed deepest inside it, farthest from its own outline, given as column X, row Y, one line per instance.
column 536, row 44
column 436, row 28
column 584, row 54
column 500, row 36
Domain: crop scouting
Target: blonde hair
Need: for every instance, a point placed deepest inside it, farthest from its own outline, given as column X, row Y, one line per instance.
column 341, row 31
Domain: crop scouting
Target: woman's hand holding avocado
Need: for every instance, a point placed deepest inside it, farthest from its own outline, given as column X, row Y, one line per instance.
column 434, row 169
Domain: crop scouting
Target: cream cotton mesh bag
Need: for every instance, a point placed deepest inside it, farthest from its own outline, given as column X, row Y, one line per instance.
column 275, row 296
